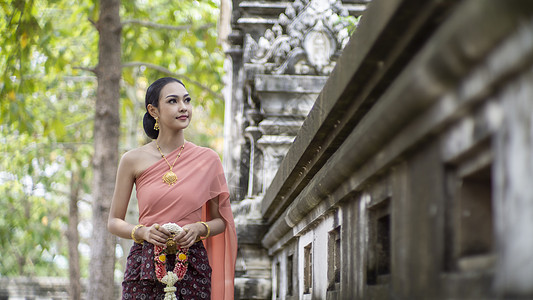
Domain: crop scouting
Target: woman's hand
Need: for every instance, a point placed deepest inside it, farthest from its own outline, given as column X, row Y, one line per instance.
column 190, row 233
column 154, row 234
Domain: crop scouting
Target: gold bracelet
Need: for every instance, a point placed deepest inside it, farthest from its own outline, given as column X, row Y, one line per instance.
column 133, row 234
column 208, row 231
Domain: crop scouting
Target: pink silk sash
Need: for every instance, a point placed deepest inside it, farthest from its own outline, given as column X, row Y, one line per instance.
column 200, row 178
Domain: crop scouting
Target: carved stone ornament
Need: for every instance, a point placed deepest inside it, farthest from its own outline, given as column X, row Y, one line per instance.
column 304, row 40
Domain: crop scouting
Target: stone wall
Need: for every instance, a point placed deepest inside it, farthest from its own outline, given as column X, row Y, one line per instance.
column 37, row 288
column 41, row 288
column 409, row 177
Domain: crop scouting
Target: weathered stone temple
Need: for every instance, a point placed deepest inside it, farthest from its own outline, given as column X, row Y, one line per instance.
column 399, row 169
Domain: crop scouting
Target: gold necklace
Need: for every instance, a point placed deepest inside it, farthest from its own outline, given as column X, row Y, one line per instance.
column 170, row 177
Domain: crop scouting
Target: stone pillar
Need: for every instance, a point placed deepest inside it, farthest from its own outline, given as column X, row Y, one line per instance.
column 514, row 170
column 285, row 101
column 281, row 53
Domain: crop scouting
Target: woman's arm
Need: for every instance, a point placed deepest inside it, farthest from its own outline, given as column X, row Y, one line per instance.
column 193, row 231
column 119, row 205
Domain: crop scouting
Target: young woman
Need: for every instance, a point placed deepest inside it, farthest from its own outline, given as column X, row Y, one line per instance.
column 181, row 183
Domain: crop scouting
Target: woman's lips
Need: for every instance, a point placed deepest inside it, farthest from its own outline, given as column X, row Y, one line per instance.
column 183, row 117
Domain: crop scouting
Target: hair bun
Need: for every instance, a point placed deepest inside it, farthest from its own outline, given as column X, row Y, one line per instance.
column 148, row 125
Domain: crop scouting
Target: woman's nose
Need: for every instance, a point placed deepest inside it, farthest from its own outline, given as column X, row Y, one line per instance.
column 182, row 106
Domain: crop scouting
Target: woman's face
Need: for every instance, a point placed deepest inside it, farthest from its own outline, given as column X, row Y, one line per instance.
column 175, row 109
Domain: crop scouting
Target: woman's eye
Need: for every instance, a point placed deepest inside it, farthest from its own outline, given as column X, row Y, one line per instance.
column 172, row 101
column 188, row 100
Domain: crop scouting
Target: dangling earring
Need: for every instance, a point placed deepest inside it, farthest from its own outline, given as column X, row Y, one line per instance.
column 156, row 126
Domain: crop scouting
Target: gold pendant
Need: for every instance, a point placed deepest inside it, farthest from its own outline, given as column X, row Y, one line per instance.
column 170, row 178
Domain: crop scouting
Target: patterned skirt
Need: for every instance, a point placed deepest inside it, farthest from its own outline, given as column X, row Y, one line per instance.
column 140, row 281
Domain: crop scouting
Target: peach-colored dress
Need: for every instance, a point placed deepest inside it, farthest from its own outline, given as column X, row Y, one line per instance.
column 200, row 178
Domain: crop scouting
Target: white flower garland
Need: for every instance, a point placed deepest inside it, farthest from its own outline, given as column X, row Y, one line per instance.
column 170, row 279
column 172, row 227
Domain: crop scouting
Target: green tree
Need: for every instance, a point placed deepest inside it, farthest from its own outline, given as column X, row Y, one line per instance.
column 162, row 38
column 43, row 130
column 48, row 50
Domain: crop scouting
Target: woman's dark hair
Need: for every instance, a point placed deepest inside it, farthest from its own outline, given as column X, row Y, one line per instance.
column 152, row 97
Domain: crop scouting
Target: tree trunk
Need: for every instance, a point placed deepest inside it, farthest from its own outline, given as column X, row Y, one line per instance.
column 133, row 119
column 105, row 161
column 73, row 239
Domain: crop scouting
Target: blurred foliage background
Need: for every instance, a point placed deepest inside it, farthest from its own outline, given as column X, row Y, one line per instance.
column 47, row 99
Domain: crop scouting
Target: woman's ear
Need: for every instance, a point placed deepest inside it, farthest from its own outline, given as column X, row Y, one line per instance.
column 152, row 110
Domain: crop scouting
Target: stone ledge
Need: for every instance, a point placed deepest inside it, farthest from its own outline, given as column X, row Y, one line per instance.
column 289, row 83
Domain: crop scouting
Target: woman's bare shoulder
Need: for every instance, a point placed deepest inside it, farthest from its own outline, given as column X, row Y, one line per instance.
column 138, row 153
column 139, row 159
